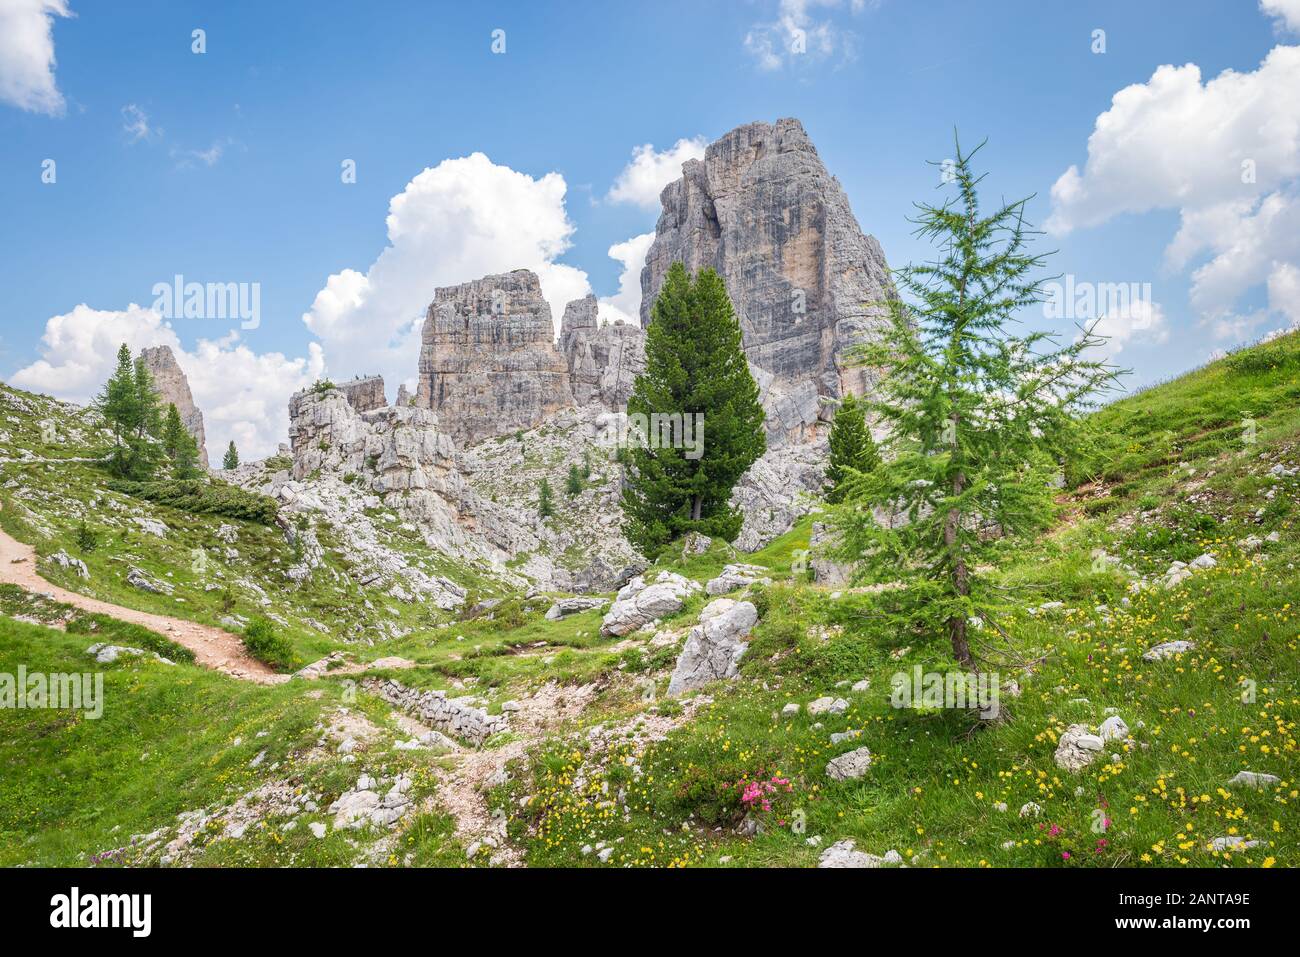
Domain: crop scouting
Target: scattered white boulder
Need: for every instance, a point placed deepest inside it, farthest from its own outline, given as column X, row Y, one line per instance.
column 363, row 804
column 1254, row 779
column 1078, row 748
column 151, row 526
column 849, row 766
column 1113, row 729
column 845, row 854
column 1167, row 650
column 106, row 654
column 695, row 543
column 828, row 705
column 572, row 606
column 138, row 579
column 1232, row 842
column 737, row 576
column 64, row 560
column 1175, row 575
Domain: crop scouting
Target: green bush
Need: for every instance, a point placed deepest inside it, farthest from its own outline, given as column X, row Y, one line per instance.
column 1262, row 359
column 265, row 644
column 117, row 632
column 203, row 497
column 87, row 540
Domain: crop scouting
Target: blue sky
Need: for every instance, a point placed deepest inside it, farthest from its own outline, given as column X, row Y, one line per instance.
column 225, row 166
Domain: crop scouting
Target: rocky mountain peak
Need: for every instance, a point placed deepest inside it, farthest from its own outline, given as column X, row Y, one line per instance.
column 763, row 211
column 174, row 388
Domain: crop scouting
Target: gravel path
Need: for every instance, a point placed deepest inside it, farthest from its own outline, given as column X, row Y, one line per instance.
column 212, row 647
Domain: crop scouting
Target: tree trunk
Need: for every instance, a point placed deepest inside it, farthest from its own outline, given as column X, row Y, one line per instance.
column 960, row 580
column 697, row 503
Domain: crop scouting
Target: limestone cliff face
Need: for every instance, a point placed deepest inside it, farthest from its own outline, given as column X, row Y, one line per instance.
column 365, row 393
column 762, row 210
column 488, row 360
column 174, row 388
column 603, row 361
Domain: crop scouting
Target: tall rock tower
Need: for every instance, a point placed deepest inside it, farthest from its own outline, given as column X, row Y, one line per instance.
column 174, row 388
column 762, row 210
column 488, row 360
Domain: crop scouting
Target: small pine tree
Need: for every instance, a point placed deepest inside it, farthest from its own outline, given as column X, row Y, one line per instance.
column 853, row 452
column 179, row 446
column 545, row 504
column 586, row 465
column 573, row 486
column 173, row 432
column 695, row 366
column 185, row 463
column 129, row 405
column 980, row 418
column 231, row 460
column 87, row 540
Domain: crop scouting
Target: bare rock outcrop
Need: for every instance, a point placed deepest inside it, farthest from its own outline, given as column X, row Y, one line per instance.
column 385, row 450
column 762, row 210
column 777, row 491
column 488, row 360
column 365, row 393
column 604, row 360
column 170, row 381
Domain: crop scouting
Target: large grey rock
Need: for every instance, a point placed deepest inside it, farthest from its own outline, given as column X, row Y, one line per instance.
column 777, row 490
column 762, row 210
column 138, row 579
column 64, row 560
column 849, row 766
column 715, row 646
column 827, row 571
column 170, row 382
column 638, row 603
column 488, row 361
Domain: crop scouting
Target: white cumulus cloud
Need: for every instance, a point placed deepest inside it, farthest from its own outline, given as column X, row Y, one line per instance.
column 1224, row 153
column 243, row 395
column 458, row 221
column 1284, row 292
column 625, row 305
column 1175, row 142
column 644, row 178
column 1287, row 13
column 1136, row 321
column 27, row 54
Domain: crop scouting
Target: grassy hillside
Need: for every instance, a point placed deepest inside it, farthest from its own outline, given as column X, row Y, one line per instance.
column 606, row 771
